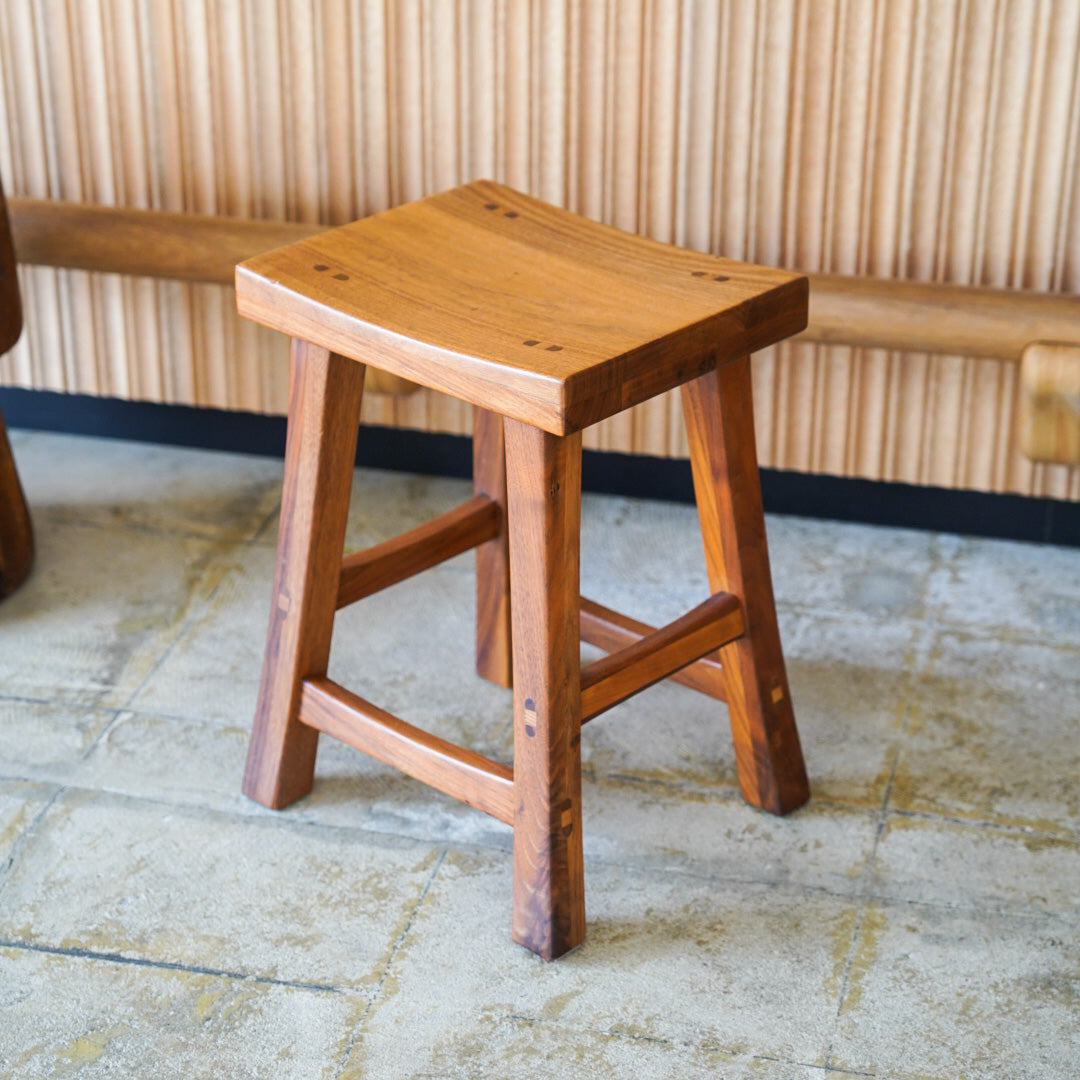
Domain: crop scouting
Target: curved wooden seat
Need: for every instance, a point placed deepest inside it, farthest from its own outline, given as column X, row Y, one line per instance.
column 519, row 307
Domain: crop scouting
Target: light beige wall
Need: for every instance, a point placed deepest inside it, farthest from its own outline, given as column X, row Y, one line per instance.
column 930, row 139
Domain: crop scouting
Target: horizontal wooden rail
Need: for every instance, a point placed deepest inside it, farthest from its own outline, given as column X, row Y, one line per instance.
column 379, row 567
column 148, row 243
column 158, row 244
column 844, row 310
column 611, row 631
column 649, row 659
column 465, row 775
column 916, row 316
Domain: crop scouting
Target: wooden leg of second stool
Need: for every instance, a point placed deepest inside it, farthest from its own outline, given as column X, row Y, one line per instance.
column 16, row 535
column 493, row 650
column 720, row 428
column 324, row 415
column 544, row 480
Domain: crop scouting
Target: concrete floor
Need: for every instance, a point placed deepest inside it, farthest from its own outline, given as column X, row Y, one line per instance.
column 919, row 918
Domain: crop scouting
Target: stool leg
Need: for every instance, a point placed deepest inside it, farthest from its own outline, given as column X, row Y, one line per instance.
column 544, row 480
column 16, row 534
column 720, row 427
column 493, row 650
column 324, row 415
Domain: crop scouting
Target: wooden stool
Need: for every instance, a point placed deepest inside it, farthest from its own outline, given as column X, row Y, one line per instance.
column 546, row 323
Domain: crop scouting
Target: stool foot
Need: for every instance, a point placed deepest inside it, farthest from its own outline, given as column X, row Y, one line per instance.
column 720, row 427
column 324, row 414
column 544, row 473
column 493, row 633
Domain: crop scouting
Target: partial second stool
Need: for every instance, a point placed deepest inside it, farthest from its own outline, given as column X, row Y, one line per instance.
column 547, row 323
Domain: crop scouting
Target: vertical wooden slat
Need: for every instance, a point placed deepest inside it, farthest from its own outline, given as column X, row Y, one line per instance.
column 927, row 139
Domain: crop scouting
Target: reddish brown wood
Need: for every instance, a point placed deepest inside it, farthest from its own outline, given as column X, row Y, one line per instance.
column 553, row 323
column 544, row 482
column 16, row 534
column 379, row 567
column 519, row 307
column 611, row 631
column 493, row 630
column 720, row 428
column 324, row 414
column 711, row 624
column 466, row 775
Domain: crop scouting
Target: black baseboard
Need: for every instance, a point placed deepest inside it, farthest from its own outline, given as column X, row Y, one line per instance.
column 1012, row 517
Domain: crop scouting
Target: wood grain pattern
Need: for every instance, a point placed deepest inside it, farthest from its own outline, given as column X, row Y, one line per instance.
column 494, row 633
column 720, row 428
column 485, row 784
column 713, row 623
column 845, row 309
column 148, row 243
column 382, row 565
column 16, row 533
column 1050, row 402
column 959, row 320
column 611, row 630
column 519, row 307
column 320, row 448
column 936, row 142
column 544, row 483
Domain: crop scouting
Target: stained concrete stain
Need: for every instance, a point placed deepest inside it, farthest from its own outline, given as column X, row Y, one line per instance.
column 554, row 1006
column 85, row 1050
column 841, row 931
column 947, row 767
column 874, row 924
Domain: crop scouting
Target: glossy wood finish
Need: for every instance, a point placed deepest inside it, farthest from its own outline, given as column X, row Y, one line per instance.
column 616, row 677
column 1050, row 403
column 379, row 567
column 16, row 533
column 611, row 631
column 720, row 427
column 494, row 637
column 324, row 416
column 519, row 307
column 544, row 484
column 425, row 286
column 467, row 776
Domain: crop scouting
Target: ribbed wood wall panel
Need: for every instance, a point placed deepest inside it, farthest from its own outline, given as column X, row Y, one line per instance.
column 928, row 139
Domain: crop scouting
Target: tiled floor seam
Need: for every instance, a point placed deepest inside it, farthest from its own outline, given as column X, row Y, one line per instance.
column 376, row 996
column 861, row 891
column 264, row 819
column 1014, row 828
column 143, row 529
column 262, row 534
column 793, row 889
column 165, row 965
column 23, row 838
column 708, row 1045
column 189, row 620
